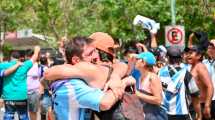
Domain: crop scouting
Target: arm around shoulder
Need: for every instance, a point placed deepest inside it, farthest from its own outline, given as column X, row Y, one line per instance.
column 120, row 68
column 108, row 100
column 66, row 71
column 61, row 72
column 12, row 69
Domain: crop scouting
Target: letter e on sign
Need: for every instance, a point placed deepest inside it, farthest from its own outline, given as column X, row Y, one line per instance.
column 174, row 35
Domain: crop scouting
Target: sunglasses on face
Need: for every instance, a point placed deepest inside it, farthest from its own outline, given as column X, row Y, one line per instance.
column 105, row 57
column 141, row 60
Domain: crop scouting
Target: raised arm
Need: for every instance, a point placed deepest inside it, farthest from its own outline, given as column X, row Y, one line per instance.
column 12, row 69
column 131, row 63
column 154, row 43
column 36, row 54
column 190, row 41
column 142, row 46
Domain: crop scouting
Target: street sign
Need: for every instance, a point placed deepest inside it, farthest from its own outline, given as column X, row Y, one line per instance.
column 25, row 33
column 175, row 36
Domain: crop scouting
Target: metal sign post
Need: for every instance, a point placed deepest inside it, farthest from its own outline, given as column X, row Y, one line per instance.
column 173, row 12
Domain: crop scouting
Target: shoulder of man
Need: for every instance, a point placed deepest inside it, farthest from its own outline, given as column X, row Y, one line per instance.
column 164, row 72
column 26, row 65
column 200, row 65
column 28, row 61
column 5, row 65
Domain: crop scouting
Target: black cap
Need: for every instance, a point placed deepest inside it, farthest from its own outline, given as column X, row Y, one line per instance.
column 195, row 48
column 186, row 49
column 173, row 51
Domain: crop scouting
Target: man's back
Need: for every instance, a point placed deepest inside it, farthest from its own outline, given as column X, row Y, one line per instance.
column 73, row 97
column 14, row 85
column 177, row 83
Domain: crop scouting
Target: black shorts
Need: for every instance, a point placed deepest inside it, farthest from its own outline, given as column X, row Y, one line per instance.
column 179, row 117
column 213, row 109
column 192, row 112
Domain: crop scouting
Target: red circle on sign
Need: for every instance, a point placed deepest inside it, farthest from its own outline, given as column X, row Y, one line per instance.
column 176, row 31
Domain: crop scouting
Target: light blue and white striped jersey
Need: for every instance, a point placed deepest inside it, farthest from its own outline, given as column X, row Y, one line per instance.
column 175, row 86
column 210, row 65
column 186, row 66
column 73, row 99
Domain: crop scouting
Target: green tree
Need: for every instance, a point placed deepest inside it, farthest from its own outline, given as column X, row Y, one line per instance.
column 82, row 17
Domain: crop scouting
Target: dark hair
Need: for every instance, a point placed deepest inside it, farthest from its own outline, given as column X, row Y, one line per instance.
column 130, row 47
column 174, row 60
column 29, row 52
column 201, row 56
column 43, row 61
column 150, row 67
column 201, row 53
column 74, row 47
column 15, row 55
column 130, row 50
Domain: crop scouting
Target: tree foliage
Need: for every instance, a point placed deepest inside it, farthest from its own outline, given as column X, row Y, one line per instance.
column 82, row 17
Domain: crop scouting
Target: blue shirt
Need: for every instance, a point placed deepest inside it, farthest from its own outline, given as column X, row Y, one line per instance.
column 136, row 74
column 73, row 99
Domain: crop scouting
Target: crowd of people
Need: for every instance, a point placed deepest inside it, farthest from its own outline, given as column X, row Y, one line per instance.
column 164, row 83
